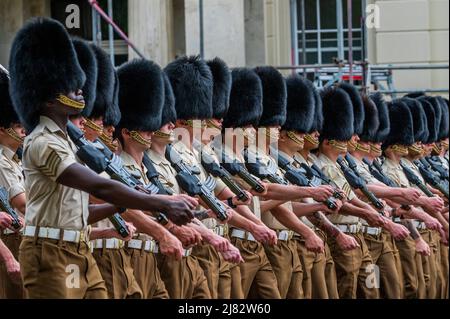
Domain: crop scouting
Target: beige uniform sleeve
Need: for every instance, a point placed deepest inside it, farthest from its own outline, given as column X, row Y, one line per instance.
column 50, row 156
column 340, row 181
column 9, row 179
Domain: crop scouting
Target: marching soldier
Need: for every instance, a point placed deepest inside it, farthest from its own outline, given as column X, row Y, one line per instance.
column 56, row 231
column 338, row 130
column 302, row 100
column 12, row 134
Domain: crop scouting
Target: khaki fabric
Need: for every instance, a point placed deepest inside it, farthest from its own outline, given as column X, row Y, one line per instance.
column 54, row 269
column 11, row 172
column 431, row 271
column 411, row 272
column 352, row 270
column 256, row 273
column 8, row 288
column 115, row 267
column 166, row 172
column 184, row 279
column 287, row 268
column 445, row 270
column 395, row 172
column 209, row 261
column 224, row 288
column 381, row 249
column 48, row 151
column 147, row 274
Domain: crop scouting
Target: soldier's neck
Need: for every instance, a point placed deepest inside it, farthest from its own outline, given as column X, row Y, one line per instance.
column 286, row 150
column 60, row 120
column 12, row 146
column 330, row 153
column 394, row 157
column 136, row 154
column 158, row 148
column 304, row 153
column 358, row 155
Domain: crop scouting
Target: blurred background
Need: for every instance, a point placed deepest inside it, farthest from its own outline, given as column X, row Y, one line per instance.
column 393, row 46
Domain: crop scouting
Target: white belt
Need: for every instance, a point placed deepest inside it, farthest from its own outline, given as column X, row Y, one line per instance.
column 8, row 231
column 285, row 235
column 110, row 243
column 349, row 229
column 374, row 231
column 221, row 230
column 151, row 246
column 72, row 236
column 397, row 219
column 242, row 234
column 420, row 225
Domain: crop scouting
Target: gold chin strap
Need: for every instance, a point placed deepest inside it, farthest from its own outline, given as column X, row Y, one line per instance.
column 211, row 124
column 14, row 135
column 444, row 144
column 312, row 140
column 138, row 138
column 108, row 141
column 362, row 148
column 272, row 137
column 436, row 148
column 164, row 135
column 93, row 126
column 194, row 124
column 341, row 146
column 294, row 138
column 352, row 144
column 376, row 149
column 415, row 150
column 69, row 102
column 400, row 149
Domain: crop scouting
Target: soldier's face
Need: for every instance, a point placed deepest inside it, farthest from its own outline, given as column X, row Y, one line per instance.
column 375, row 150
column 92, row 134
column 79, row 122
column 351, row 145
column 66, row 109
column 167, row 136
column 312, row 141
column 14, row 138
column 294, row 141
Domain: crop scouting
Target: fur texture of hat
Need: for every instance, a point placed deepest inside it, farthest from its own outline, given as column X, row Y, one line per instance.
column 274, row 96
column 245, row 99
column 358, row 106
column 371, row 120
column 105, row 83
column 383, row 116
column 88, row 62
column 192, row 84
column 8, row 114
column 419, row 120
column 438, row 113
column 169, row 114
column 431, row 120
column 113, row 115
column 43, row 64
column 402, row 128
column 444, row 128
column 222, row 87
column 301, row 104
column 317, row 124
column 337, row 114
column 141, row 95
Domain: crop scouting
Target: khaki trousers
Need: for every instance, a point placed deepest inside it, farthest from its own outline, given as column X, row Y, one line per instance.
column 429, row 264
column 115, row 267
column 353, row 269
column 381, row 249
column 147, row 274
column 412, row 272
column 445, row 270
column 287, row 268
column 8, row 288
column 255, row 274
column 314, row 264
column 53, row 269
column 330, row 270
column 184, row 279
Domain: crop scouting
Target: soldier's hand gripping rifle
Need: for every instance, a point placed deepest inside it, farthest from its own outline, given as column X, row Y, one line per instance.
column 415, row 180
column 268, row 172
column 357, row 182
column 216, row 170
column 430, row 177
column 192, row 185
column 314, row 172
column 99, row 162
column 6, row 207
column 296, row 177
column 236, row 168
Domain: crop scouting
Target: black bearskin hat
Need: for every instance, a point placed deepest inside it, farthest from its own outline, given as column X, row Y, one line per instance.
column 383, row 116
column 112, row 115
column 9, row 115
column 419, row 119
column 402, row 129
column 169, row 114
column 222, row 87
column 358, row 106
column 337, row 115
column 371, row 120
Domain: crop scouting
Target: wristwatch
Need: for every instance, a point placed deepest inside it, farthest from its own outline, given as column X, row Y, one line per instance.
column 162, row 219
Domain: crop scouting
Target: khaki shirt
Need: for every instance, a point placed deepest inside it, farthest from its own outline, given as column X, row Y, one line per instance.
column 414, row 168
column 267, row 217
column 48, row 152
column 395, row 172
column 166, row 173
column 11, row 172
column 331, row 169
column 364, row 171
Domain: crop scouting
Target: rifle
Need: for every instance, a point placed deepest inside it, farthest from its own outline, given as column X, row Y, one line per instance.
column 436, row 166
column 315, row 172
column 262, row 171
column 6, row 207
column 191, row 184
column 379, row 175
column 357, row 182
column 296, row 177
column 104, row 161
column 216, row 170
column 414, row 179
column 236, row 168
column 429, row 176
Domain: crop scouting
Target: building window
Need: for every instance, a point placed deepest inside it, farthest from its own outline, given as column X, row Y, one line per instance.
column 321, row 34
column 88, row 24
